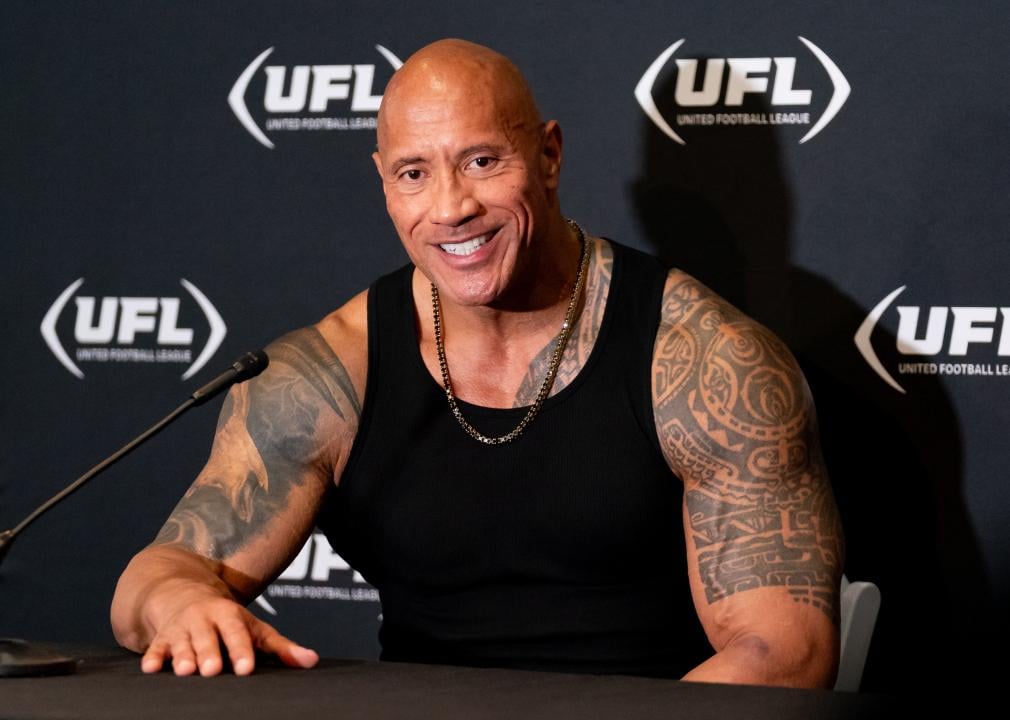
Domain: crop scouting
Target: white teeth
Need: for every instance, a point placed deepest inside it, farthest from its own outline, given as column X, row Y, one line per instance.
column 465, row 248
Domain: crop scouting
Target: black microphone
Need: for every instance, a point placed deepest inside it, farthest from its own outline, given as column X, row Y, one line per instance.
column 248, row 366
column 18, row 658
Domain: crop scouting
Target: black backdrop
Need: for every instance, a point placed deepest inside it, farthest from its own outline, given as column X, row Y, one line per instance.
column 125, row 166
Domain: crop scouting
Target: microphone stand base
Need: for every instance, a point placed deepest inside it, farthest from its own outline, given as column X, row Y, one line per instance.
column 21, row 659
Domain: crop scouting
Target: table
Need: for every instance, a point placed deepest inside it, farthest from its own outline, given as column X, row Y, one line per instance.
column 109, row 684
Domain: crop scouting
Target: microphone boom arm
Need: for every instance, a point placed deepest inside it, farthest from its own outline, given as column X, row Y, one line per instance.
column 247, row 366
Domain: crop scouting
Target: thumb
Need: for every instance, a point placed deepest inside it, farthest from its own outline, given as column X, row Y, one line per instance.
column 290, row 653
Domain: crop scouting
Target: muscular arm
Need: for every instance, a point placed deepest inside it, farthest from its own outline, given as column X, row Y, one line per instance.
column 281, row 440
column 764, row 542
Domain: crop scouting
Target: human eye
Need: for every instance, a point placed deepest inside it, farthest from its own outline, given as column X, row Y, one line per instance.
column 410, row 175
column 482, row 162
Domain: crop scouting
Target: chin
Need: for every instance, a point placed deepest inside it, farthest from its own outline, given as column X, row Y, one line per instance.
column 469, row 294
column 471, row 288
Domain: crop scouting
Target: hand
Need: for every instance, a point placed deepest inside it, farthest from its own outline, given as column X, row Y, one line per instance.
column 194, row 636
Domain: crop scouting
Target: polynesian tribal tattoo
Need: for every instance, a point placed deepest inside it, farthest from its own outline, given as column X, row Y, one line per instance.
column 587, row 327
column 276, row 429
column 736, row 421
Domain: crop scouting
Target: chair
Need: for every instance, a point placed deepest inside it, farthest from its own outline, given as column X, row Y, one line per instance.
column 860, row 605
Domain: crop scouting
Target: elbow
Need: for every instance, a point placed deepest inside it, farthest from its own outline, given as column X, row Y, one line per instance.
column 815, row 668
column 806, row 661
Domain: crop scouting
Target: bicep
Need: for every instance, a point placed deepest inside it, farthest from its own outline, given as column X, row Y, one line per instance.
column 279, row 441
column 737, row 424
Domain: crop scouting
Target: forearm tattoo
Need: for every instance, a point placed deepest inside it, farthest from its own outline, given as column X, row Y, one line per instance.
column 271, row 433
column 581, row 342
column 736, row 421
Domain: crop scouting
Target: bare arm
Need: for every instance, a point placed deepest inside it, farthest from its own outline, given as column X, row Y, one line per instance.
column 764, row 542
column 281, row 440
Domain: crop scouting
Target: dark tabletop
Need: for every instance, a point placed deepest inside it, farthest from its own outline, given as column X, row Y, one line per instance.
column 109, row 684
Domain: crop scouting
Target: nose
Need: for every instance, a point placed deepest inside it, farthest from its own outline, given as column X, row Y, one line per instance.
column 452, row 201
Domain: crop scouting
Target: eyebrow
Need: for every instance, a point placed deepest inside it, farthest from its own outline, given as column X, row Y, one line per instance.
column 496, row 149
column 404, row 161
column 488, row 147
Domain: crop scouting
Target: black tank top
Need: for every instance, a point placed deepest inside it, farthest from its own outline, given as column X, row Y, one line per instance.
column 563, row 550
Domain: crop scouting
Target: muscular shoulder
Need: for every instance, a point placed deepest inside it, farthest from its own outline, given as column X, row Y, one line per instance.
column 723, row 383
column 345, row 332
column 689, row 303
column 310, row 394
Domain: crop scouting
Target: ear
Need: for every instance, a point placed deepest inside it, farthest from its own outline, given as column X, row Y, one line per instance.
column 550, row 154
column 377, row 159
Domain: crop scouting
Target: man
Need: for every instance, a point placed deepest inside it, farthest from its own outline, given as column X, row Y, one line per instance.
column 512, row 488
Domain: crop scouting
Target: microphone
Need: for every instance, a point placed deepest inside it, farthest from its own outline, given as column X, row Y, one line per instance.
column 248, row 366
column 19, row 658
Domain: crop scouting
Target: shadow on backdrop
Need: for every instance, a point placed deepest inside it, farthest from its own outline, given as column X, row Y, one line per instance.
column 720, row 208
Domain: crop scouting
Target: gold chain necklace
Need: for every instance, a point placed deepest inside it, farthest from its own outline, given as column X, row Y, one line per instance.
column 552, row 369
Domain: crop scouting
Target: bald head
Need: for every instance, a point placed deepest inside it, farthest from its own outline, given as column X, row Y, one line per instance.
column 470, row 173
column 451, row 73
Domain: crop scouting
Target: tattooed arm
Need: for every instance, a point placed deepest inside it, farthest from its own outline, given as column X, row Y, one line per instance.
column 282, row 439
column 764, row 543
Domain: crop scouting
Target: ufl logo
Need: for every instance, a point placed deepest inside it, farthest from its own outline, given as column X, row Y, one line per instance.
column 300, row 98
column 131, row 329
column 309, row 577
column 947, row 334
column 712, row 91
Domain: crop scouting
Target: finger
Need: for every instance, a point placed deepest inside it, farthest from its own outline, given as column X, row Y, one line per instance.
column 154, row 658
column 183, row 657
column 204, row 639
column 290, row 653
column 239, row 643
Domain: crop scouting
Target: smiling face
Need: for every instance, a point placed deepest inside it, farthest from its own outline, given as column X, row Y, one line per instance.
column 469, row 171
